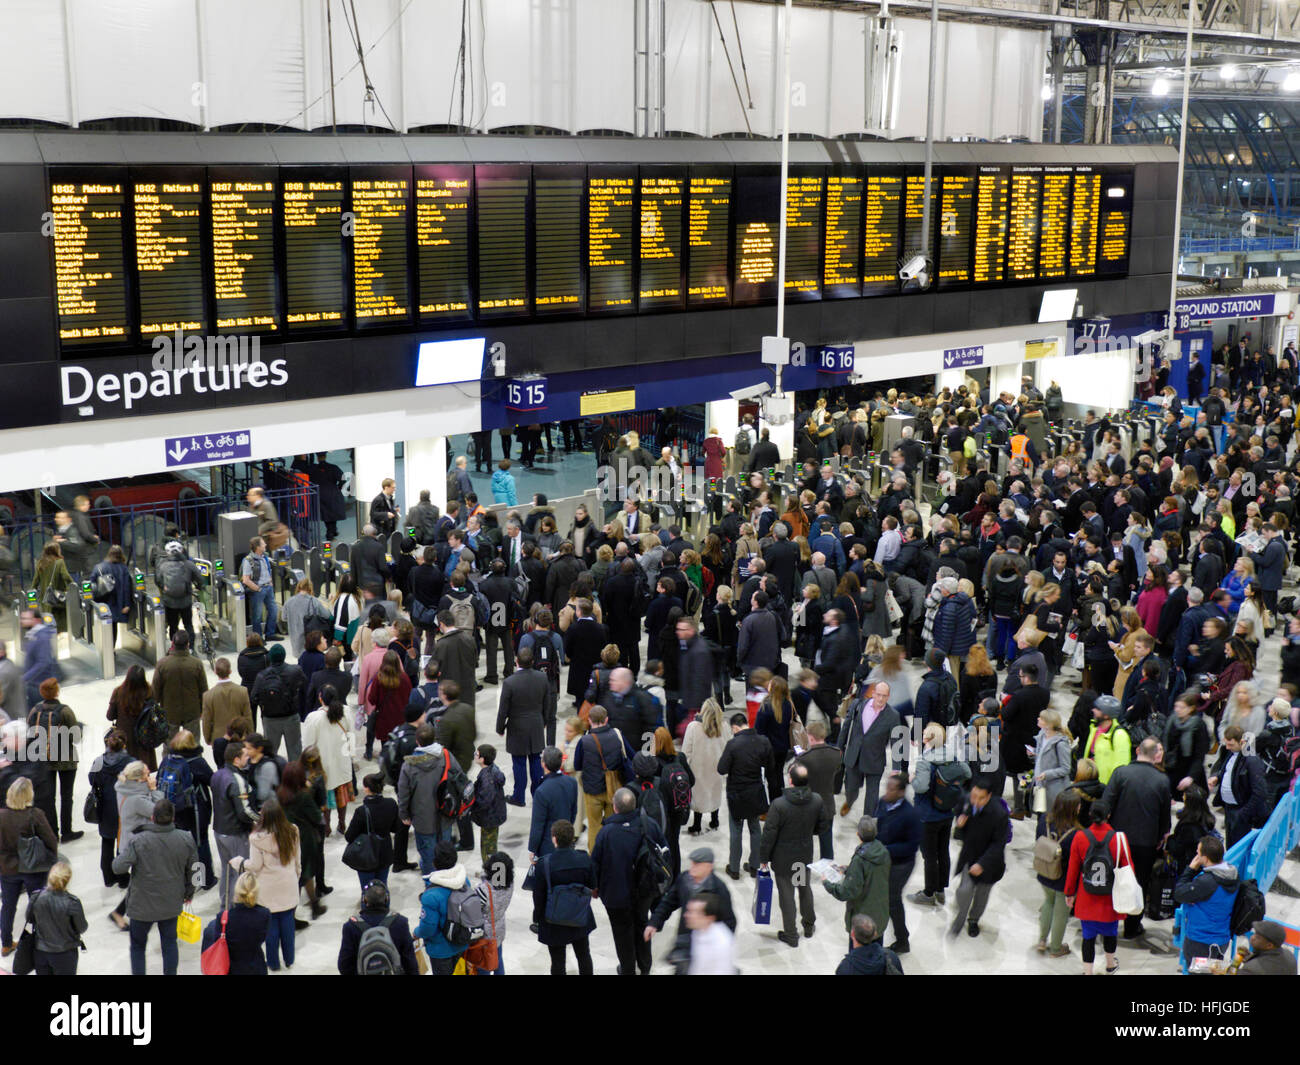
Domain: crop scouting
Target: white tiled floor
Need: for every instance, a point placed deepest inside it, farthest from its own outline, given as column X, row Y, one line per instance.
column 1006, row 945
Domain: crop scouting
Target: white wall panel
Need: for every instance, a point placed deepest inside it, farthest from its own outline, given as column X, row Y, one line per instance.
column 134, row 58
column 565, row 64
column 34, row 43
column 270, row 59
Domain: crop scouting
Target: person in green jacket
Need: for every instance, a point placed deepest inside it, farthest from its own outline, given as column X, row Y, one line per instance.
column 865, row 887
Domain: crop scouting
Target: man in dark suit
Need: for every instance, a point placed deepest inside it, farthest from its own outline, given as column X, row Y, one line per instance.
column 622, row 612
column 865, row 737
column 749, row 764
column 521, row 718
column 384, row 511
column 835, row 658
column 982, row 861
column 694, row 672
column 782, row 560
column 583, row 642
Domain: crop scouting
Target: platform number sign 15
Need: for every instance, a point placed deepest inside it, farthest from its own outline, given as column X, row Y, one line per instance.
column 526, row 394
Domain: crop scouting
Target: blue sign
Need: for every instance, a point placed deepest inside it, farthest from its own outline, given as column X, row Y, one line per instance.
column 205, row 450
column 526, row 394
column 836, row 360
column 956, row 357
column 1207, row 308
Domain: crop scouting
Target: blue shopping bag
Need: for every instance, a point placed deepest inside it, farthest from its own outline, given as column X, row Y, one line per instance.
column 763, row 898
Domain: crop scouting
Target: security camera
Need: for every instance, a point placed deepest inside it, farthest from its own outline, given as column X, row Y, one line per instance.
column 915, row 269
column 757, row 391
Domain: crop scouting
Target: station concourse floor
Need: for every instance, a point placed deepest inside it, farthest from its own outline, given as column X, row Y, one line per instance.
column 1005, row 945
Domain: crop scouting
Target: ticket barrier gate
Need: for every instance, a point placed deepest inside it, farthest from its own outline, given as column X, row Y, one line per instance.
column 146, row 635
column 89, row 630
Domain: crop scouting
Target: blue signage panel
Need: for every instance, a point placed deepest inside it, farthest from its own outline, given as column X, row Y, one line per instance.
column 953, row 358
column 526, row 394
column 837, row 360
column 204, row 450
column 1207, row 308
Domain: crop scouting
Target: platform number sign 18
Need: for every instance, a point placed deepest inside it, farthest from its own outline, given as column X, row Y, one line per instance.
column 525, row 394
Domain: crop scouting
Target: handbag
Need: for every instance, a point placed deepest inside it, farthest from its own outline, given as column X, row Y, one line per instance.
column 569, row 905
column 422, row 958
column 1039, row 805
column 1126, row 894
column 34, row 855
column 362, row 854
column 215, row 961
column 762, row 908
column 891, row 605
column 90, row 810
column 482, row 953
column 189, row 929
column 1077, row 659
column 25, row 953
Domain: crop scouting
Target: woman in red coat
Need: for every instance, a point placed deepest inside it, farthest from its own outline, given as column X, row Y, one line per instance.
column 715, row 454
column 1095, row 912
column 389, row 691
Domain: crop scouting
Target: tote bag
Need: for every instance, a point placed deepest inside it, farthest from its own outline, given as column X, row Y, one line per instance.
column 1126, row 895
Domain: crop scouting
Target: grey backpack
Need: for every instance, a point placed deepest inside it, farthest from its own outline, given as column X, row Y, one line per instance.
column 377, row 954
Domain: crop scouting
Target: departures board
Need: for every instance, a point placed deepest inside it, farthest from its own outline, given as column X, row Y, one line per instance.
column 289, row 250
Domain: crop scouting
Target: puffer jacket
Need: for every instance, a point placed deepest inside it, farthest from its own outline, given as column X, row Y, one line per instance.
column 954, row 631
column 277, row 882
column 433, row 910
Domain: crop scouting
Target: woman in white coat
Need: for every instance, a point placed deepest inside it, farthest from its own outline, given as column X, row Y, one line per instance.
column 327, row 731
column 702, row 746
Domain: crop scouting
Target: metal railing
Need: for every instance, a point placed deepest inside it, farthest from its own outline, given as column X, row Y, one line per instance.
column 139, row 529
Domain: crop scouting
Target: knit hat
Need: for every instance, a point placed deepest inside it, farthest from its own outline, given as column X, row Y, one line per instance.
column 276, row 653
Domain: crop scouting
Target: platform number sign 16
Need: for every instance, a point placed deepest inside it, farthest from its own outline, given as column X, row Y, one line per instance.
column 526, row 395
column 836, row 360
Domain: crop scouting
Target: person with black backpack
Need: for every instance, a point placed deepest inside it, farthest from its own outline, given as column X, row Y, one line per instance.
column 674, row 781
column 376, row 941
column 1095, row 854
column 615, row 858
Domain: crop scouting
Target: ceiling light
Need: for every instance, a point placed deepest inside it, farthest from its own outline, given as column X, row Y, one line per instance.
column 1227, row 72
column 1047, row 91
column 1291, row 82
column 1160, row 87
column 1231, row 157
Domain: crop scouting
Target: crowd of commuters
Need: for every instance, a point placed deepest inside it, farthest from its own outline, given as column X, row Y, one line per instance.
column 1067, row 649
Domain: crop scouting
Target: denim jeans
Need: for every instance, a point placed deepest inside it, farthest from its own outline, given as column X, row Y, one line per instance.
column 368, row 875
column 425, row 845
column 525, row 765
column 737, row 826
column 140, row 939
column 264, row 599
column 1000, row 642
column 279, row 937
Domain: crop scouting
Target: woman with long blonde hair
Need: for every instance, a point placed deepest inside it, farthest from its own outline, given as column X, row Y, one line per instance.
column 702, row 747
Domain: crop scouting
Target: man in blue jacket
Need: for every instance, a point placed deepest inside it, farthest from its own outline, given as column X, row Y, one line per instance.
column 1206, row 891
column 556, row 799
column 38, row 655
column 616, row 883
column 867, row 957
column 898, row 827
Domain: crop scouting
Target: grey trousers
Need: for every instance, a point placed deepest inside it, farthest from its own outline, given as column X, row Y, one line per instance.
column 227, row 848
column 736, row 828
column 856, row 781
column 290, row 729
column 785, row 894
column 971, row 900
